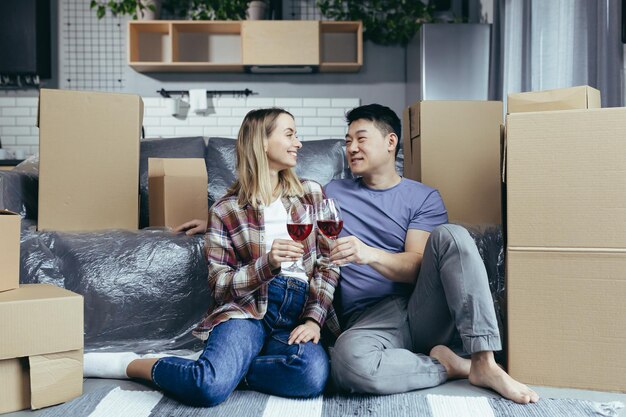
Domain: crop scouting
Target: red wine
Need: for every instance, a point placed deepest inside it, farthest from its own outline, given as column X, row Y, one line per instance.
column 330, row 228
column 299, row 232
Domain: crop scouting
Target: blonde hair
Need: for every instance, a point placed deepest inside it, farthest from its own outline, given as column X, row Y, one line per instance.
column 253, row 185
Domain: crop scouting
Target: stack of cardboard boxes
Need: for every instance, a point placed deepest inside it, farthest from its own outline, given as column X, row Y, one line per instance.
column 41, row 333
column 566, row 250
column 565, row 214
column 88, row 181
column 89, row 167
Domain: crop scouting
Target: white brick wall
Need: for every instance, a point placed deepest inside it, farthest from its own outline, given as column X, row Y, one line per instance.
column 316, row 118
column 18, row 125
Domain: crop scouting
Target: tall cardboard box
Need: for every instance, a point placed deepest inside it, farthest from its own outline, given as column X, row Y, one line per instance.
column 454, row 146
column 581, row 97
column 9, row 250
column 566, row 256
column 88, row 160
column 177, row 190
column 41, row 347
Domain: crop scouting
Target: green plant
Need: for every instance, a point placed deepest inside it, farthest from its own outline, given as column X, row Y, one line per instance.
column 120, row 7
column 208, row 9
column 386, row 22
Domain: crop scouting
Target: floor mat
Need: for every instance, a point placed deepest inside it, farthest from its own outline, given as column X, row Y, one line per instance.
column 113, row 401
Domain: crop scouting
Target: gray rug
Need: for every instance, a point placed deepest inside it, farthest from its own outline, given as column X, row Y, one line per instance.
column 113, row 401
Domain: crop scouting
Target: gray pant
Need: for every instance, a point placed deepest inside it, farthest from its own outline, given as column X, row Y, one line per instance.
column 384, row 349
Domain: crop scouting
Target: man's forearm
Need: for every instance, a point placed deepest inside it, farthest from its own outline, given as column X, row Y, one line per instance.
column 397, row 267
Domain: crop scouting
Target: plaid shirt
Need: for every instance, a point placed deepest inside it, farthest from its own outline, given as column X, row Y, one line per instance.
column 239, row 268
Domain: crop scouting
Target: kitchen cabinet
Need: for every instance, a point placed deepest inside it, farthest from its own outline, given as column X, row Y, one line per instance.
column 237, row 46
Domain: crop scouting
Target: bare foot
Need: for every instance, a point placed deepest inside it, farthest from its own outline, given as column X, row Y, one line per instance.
column 456, row 366
column 485, row 372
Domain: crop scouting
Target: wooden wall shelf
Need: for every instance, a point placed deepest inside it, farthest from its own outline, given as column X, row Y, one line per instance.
column 234, row 46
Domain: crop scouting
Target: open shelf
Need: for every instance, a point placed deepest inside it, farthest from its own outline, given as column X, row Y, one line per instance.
column 150, row 42
column 231, row 46
column 219, row 42
column 341, row 46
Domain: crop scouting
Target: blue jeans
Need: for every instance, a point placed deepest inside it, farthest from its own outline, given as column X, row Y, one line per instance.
column 254, row 350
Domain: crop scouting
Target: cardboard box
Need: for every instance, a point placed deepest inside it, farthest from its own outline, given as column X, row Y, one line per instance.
column 454, row 146
column 566, row 255
column 41, row 342
column 582, row 97
column 177, row 190
column 9, row 250
column 566, row 318
column 88, row 160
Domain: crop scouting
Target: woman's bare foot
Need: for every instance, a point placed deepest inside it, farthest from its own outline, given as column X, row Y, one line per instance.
column 456, row 366
column 485, row 372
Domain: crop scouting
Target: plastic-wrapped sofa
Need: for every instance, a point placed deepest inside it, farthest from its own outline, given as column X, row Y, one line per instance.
column 144, row 290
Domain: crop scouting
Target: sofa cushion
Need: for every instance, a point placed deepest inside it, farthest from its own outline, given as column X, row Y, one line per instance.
column 192, row 147
column 319, row 160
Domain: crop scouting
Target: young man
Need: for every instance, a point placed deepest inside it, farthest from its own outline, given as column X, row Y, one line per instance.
column 413, row 289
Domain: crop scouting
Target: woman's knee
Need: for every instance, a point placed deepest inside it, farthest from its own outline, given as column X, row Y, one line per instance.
column 315, row 370
column 208, row 391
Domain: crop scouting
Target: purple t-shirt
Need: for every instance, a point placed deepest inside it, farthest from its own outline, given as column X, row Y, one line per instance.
column 381, row 219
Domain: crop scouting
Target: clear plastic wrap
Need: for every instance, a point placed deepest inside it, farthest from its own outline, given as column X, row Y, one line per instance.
column 489, row 240
column 143, row 290
column 19, row 192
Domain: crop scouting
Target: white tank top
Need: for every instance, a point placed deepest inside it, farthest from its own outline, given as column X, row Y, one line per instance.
column 276, row 218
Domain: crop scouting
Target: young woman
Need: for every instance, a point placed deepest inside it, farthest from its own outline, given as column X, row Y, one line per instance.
column 265, row 327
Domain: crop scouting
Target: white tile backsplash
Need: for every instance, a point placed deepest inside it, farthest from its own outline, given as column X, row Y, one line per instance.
column 316, row 102
column 7, row 101
column 288, row 102
column 15, row 111
column 316, row 118
column 8, row 121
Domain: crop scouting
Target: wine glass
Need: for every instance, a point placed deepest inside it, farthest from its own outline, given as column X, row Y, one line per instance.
column 329, row 220
column 299, row 226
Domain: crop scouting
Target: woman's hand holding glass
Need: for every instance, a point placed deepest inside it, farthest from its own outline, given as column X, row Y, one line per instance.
column 284, row 250
column 299, row 227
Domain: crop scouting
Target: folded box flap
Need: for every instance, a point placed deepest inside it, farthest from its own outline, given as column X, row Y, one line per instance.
column 179, row 167
column 594, row 99
column 55, row 378
column 581, row 97
column 414, row 120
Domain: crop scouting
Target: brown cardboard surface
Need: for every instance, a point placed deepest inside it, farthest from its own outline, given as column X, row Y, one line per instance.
column 581, row 97
column 567, row 318
column 41, row 341
column 177, row 190
column 39, row 319
column 9, row 250
column 55, row 378
column 566, row 179
column 15, row 387
column 88, row 160
column 454, row 146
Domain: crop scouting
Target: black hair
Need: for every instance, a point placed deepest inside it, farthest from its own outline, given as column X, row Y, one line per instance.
column 385, row 119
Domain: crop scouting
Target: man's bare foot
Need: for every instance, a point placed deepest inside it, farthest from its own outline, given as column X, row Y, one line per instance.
column 456, row 366
column 485, row 372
